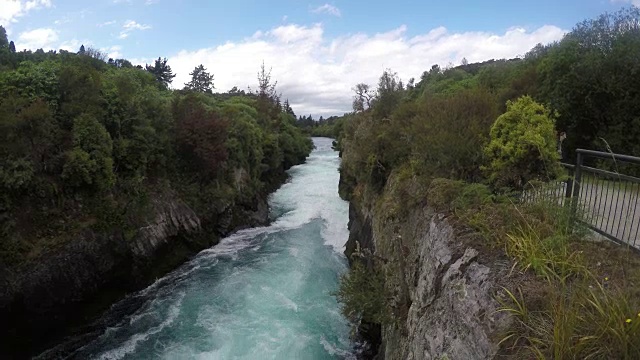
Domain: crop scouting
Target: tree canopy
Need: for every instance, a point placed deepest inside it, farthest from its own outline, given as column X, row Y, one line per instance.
column 4, row 42
column 522, row 145
column 161, row 71
column 86, row 141
column 500, row 115
column 201, row 80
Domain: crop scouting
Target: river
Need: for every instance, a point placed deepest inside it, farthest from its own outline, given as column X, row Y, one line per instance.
column 262, row 293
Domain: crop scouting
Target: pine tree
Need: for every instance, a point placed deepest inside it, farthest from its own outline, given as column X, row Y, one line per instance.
column 161, row 71
column 82, row 50
column 288, row 109
column 201, row 80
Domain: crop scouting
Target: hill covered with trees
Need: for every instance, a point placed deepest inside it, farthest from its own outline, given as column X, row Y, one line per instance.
column 85, row 141
column 588, row 80
column 92, row 147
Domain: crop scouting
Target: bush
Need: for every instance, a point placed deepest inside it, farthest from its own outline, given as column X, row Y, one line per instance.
column 79, row 168
column 449, row 132
column 363, row 295
column 522, row 146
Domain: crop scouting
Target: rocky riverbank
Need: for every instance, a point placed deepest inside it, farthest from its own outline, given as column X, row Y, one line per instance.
column 63, row 290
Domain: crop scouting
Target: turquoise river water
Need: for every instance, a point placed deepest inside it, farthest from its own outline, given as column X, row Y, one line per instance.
column 262, row 293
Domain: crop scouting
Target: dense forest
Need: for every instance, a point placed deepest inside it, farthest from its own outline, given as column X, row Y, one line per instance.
column 588, row 82
column 330, row 127
column 86, row 141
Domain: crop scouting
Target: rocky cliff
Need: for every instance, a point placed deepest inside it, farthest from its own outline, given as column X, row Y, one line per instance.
column 66, row 288
column 442, row 287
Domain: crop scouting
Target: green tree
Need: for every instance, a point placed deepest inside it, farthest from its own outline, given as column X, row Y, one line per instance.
column 161, row 71
column 4, row 42
column 201, row 80
column 16, row 174
column 390, row 91
column 287, row 108
column 364, row 97
column 80, row 90
column 79, row 168
column 90, row 162
column 522, row 146
column 590, row 78
column 38, row 129
column 122, row 63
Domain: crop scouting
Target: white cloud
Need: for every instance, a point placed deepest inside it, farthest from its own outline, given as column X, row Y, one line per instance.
column 327, row 9
column 150, row 2
column 113, row 52
column 70, row 17
column 48, row 39
column 73, row 45
column 13, row 9
column 43, row 38
column 107, row 23
column 316, row 73
column 130, row 26
column 632, row 2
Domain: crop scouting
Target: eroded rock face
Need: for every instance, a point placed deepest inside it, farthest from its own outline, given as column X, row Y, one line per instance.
column 453, row 310
column 172, row 217
column 69, row 286
column 443, row 289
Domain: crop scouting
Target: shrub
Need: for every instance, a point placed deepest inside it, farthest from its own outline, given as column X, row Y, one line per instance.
column 448, row 133
column 78, row 168
column 363, row 295
column 522, row 146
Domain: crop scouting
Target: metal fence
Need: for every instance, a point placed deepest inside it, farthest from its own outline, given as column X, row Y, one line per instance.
column 607, row 201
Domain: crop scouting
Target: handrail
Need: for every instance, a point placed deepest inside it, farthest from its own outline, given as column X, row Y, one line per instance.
column 606, row 155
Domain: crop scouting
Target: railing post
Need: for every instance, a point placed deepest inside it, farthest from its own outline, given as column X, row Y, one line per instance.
column 575, row 194
column 568, row 191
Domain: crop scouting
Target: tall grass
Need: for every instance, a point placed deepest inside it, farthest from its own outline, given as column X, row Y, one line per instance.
column 581, row 321
column 578, row 315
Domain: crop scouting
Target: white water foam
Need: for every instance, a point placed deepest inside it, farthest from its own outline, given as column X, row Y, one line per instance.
column 130, row 345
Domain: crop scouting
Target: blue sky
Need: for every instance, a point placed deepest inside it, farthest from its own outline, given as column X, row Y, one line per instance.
column 317, row 50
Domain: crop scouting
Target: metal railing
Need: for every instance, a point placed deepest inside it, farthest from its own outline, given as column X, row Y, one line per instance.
column 606, row 201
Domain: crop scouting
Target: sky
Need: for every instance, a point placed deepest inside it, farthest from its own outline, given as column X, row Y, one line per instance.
column 317, row 50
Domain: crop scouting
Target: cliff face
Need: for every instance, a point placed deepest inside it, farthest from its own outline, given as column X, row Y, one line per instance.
column 442, row 287
column 67, row 287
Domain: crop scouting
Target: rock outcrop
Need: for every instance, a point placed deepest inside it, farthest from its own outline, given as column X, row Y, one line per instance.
column 443, row 287
column 68, row 287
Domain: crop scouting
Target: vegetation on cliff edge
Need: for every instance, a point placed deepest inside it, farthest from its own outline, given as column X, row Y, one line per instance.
column 466, row 140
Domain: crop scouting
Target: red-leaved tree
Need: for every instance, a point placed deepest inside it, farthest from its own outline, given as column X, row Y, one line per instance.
column 201, row 134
